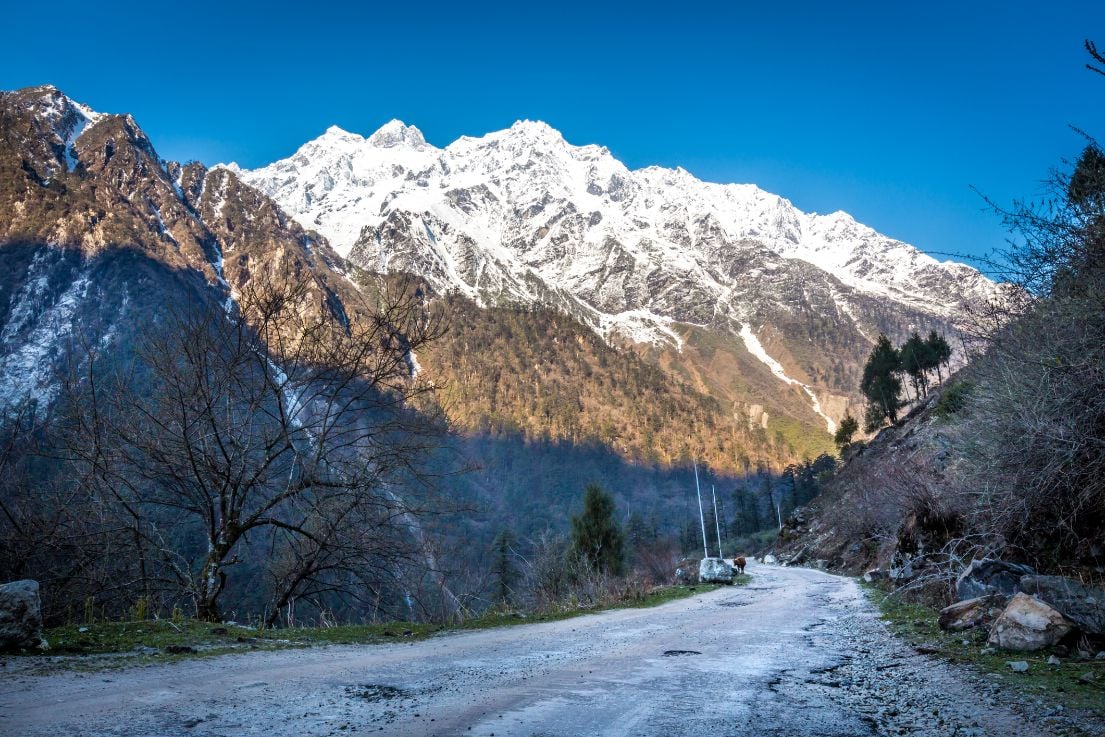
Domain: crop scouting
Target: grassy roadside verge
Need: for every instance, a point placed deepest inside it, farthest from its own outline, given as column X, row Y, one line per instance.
column 1052, row 684
column 106, row 645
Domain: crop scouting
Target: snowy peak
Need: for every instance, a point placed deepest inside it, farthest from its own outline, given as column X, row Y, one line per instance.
column 396, row 133
column 64, row 118
column 521, row 215
column 335, row 135
column 534, row 130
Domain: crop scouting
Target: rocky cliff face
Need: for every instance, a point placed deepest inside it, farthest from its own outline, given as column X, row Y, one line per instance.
column 99, row 236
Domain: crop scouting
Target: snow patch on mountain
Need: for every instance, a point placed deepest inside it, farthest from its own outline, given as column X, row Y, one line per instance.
column 86, row 118
column 31, row 341
column 752, row 343
column 640, row 326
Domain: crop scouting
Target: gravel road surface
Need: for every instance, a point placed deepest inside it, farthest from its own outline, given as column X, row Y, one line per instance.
column 797, row 652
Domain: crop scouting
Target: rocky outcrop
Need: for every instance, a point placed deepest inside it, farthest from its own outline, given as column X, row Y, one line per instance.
column 964, row 615
column 986, row 576
column 1083, row 605
column 840, row 524
column 1028, row 624
column 715, row 570
column 20, row 616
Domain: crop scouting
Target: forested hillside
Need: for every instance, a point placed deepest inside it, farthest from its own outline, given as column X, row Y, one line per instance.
column 544, row 376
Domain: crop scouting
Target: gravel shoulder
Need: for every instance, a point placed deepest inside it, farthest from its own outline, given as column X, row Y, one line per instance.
column 797, row 652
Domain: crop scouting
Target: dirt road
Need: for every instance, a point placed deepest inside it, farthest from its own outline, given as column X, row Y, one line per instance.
column 798, row 652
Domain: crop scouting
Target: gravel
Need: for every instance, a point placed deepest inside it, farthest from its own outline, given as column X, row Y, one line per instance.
column 797, row 652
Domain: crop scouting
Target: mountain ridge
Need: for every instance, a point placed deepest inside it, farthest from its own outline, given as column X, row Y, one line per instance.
column 395, row 133
column 521, row 216
column 775, row 343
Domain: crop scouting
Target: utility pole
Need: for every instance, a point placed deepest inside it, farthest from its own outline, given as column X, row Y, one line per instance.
column 717, row 524
column 701, row 516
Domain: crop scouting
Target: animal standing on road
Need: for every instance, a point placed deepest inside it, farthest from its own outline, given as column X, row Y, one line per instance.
column 738, row 563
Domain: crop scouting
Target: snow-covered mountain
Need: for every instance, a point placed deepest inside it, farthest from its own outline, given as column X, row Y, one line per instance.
column 758, row 315
column 522, row 216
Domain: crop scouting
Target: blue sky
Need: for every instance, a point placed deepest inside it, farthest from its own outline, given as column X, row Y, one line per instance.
column 891, row 111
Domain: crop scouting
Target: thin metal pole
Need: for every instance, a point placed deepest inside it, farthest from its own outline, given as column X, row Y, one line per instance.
column 701, row 516
column 717, row 524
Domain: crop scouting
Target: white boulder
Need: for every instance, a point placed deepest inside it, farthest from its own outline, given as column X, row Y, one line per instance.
column 1028, row 624
column 715, row 570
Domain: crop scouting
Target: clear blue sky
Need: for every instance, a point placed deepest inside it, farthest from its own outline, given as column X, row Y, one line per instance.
column 888, row 110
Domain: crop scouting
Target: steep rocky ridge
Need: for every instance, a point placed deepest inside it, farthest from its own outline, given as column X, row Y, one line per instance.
column 100, row 236
column 890, row 506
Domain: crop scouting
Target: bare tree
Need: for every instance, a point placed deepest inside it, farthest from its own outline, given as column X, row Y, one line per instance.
column 283, row 421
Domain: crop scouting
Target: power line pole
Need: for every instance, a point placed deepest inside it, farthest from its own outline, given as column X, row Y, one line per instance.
column 701, row 516
column 717, row 523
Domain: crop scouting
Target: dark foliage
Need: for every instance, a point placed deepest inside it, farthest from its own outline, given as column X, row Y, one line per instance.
column 597, row 541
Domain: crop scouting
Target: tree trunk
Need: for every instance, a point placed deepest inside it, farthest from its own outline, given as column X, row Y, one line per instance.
column 212, row 580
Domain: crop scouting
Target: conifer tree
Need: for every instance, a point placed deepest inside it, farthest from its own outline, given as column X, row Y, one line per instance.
column 939, row 351
column 917, row 358
column 597, row 540
column 881, row 385
column 847, row 429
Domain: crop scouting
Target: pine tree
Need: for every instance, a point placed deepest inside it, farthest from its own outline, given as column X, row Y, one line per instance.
column 849, row 426
column 597, row 540
column 917, row 358
column 1087, row 183
column 881, row 384
column 939, row 352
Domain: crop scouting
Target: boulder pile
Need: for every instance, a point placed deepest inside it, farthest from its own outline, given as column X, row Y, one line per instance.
column 1022, row 610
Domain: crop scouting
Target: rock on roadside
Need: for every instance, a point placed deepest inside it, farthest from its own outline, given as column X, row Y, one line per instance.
column 987, row 576
column 1028, row 624
column 715, row 570
column 20, row 615
column 1083, row 605
column 686, row 571
column 963, row 615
